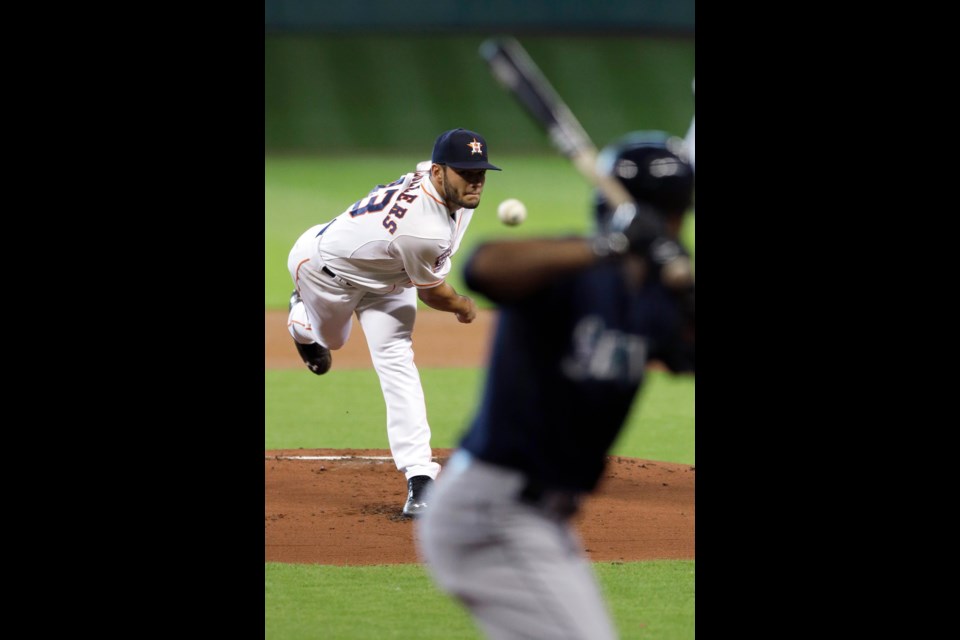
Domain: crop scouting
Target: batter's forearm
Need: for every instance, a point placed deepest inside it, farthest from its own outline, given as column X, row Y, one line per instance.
column 511, row 269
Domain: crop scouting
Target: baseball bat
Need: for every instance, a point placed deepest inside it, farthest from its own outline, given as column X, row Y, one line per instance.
column 518, row 73
column 513, row 68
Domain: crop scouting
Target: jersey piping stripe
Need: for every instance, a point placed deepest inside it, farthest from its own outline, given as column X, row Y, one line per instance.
column 423, row 188
column 296, row 274
column 457, row 232
column 432, row 197
column 305, row 326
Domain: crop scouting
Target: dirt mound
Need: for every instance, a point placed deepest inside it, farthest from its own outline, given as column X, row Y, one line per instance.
column 346, row 509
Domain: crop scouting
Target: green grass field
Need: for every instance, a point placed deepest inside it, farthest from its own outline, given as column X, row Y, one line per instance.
column 345, row 409
column 647, row 600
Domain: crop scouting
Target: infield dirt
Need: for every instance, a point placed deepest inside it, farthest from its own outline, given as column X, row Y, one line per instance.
column 347, row 511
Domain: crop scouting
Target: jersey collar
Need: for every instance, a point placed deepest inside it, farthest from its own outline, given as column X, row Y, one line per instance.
column 436, row 197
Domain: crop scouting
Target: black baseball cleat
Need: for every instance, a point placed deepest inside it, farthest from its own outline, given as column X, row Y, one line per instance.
column 416, row 486
column 316, row 357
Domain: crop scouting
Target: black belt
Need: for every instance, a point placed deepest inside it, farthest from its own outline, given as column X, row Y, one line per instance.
column 335, row 276
column 561, row 504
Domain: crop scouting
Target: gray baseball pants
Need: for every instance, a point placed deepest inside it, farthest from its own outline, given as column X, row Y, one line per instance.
column 518, row 568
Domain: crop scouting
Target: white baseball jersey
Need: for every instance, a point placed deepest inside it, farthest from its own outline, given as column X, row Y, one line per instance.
column 400, row 234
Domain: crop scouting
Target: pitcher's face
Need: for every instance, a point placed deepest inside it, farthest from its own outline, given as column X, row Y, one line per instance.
column 463, row 187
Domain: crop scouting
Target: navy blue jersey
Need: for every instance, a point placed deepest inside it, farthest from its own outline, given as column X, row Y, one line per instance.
column 566, row 365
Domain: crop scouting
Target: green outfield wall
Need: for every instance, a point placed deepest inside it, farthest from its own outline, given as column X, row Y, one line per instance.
column 340, row 92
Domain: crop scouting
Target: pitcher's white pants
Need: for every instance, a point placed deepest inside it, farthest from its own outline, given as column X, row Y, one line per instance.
column 325, row 317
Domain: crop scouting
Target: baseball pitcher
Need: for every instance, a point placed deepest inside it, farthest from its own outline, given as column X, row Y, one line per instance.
column 373, row 260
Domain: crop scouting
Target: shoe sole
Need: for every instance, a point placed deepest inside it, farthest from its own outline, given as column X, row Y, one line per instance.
column 317, row 358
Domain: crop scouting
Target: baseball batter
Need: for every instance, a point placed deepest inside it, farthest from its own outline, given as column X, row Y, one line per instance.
column 579, row 319
column 373, row 260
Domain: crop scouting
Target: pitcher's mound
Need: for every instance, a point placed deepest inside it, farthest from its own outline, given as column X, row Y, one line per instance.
column 346, row 509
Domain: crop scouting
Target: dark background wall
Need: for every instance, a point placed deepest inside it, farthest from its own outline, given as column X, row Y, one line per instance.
column 372, row 75
column 650, row 16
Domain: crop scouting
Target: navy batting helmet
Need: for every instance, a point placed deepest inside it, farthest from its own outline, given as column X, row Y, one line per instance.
column 653, row 166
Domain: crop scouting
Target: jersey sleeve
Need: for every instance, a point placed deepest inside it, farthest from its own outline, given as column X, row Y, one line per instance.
column 424, row 260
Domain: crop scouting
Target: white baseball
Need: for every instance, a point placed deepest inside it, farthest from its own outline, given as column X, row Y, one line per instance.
column 512, row 212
